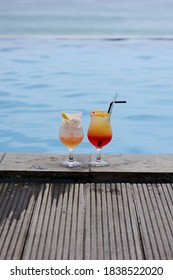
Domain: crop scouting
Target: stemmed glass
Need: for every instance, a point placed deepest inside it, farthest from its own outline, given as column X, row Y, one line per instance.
column 71, row 134
column 99, row 134
column 100, row 131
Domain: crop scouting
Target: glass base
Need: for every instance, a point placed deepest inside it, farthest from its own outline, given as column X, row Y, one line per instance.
column 73, row 163
column 98, row 163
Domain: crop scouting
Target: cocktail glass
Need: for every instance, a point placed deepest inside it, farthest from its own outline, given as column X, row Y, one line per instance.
column 71, row 134
column 99, row 134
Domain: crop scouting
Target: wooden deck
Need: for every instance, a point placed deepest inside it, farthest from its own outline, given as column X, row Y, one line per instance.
column 124, row 211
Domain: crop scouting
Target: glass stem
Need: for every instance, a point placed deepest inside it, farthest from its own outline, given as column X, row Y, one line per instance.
column 71, row 158
column 98, row 156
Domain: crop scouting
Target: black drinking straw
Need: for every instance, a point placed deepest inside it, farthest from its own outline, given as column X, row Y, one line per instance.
column 112, row 103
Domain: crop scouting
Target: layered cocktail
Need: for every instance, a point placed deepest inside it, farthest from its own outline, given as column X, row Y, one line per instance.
column 99, row 134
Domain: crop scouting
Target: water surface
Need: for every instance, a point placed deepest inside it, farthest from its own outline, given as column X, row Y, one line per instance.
column 86, row 17
column 41, row 77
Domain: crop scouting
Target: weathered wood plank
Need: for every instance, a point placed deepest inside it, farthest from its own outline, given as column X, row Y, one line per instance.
column 168, row 195
column 123, row 229
column 99, row 223
column 29, row 202
column 62, row 226
column 118, row 236
column 136, row 251
column 19, row 225
column 15, row 225
column 30, row 249
column 74, row 218
column 153, row 215
column 93, row 224
column 52, row 202
column 111, row 226
column 156, row 221
column 67, row 236
column 59, row 188
column 148, row 238
column 15, row 218
column 86, row 220
column 80, row 224
column 109, row 214
column 164, row 219
column 106, row 248
column 10, row 220
column 43, row 221
column 87, row 226
column 132, row 232
column 5, row 197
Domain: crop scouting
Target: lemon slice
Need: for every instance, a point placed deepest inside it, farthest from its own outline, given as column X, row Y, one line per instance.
column 64, row 116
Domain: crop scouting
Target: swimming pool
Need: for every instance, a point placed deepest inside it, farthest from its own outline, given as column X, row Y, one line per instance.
column 40, row 77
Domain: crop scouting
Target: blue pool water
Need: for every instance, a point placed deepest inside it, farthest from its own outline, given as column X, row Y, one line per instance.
column 86, row 17
column 40, row 77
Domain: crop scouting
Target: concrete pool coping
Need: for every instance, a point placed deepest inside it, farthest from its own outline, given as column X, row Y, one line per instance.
column 126, row 166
